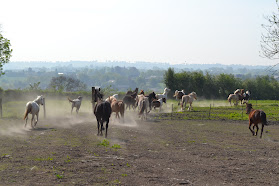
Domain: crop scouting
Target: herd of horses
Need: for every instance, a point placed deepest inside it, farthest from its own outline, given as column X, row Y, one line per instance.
column 103, row 109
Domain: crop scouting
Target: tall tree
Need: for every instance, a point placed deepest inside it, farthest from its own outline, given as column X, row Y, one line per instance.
column 5, row 52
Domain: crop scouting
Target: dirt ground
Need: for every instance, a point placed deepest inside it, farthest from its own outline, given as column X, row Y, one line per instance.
column 66, row 150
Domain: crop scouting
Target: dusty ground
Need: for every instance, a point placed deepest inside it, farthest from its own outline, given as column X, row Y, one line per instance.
column 66, row 150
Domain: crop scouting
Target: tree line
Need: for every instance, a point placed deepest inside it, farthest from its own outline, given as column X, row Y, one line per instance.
column 220, row 86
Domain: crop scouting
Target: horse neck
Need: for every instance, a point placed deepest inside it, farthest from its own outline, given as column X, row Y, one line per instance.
column 38, row 101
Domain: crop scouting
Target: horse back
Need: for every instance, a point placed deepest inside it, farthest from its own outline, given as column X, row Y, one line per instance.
column 258, row 116
column 103, row 111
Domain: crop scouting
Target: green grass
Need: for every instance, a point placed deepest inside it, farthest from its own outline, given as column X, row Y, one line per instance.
column 220, row 110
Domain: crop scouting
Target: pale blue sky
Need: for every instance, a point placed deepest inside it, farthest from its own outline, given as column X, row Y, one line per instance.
column 174, row 31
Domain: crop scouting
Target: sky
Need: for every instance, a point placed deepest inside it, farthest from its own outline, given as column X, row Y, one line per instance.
column 172, row 31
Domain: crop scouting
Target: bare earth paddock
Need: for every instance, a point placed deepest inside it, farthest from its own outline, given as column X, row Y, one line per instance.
column 66, row 150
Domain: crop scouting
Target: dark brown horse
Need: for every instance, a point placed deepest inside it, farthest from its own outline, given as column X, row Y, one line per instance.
column 255, row 117
column 135, row 92
column 102, row 112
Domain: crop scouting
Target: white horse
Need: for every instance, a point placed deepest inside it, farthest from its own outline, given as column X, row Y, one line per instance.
column 188, row 99
column 33, row 107
column 164, row 95
column 143, row 105
column 234, row 98
column 75, row 103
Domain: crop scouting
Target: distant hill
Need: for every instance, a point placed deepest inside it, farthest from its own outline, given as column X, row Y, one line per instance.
column 139, row 65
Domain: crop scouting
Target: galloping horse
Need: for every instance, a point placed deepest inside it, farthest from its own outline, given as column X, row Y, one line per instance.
column 102, row 111
column 255, row 117
column 188, row 99
column 178, row 95
column 245, row 97
column 76, row 103
column 164, row 95
column 158, row 103
column 116, row 106
column 234, row 98
column 143, row 104
column 33, row 107
column 133, row 93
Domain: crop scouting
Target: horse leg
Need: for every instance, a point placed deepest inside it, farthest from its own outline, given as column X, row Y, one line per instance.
column 102, row 128
column 262, row 130
column 98, row 124
column 257, row 129
column 32, row 120
column 107, row 128
column 72, row 110
column 37, row 119
column 250, row 123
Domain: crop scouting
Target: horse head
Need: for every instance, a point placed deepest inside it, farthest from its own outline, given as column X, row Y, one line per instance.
column 194, row 95
column 40, row 100
column 248, row 108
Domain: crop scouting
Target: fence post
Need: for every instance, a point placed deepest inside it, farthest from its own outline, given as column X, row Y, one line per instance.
column 209, row 111
column 93, row 99
column 242, row 112
column 171, row 110
column 44, row 108
column 1, row 112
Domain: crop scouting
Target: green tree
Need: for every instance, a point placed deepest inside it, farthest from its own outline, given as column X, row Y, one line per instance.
column 169, row 79
column 5, row 52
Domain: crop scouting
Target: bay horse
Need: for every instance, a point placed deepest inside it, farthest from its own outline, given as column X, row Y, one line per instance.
column 75, row 103
column 188, row 99
column 255, row 117
column 33, row 107
column 117, row 106
column 102, row 111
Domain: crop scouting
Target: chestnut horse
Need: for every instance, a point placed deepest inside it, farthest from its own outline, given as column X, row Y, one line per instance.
column 255, row 117
column 117, row 106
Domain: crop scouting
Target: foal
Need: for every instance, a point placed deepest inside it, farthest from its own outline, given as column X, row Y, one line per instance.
column 255, row 117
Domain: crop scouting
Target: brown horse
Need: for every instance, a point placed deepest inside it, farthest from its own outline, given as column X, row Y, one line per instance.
column 117, row 106
column 255, row 117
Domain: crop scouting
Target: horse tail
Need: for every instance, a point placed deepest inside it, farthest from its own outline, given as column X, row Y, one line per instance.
column 27, row 110
column 142, row 107
column 263, row 118
column 70, row 100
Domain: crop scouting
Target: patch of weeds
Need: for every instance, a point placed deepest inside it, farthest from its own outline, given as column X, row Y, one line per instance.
column 104, row 143
column 68, row 159
column 191, row 141
column 128, row 165
column 53, row 130
column 116, row 181
column 96, row 154
column 116, row 146
column 44, row 159
column 59, row 176
column 124, row 175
